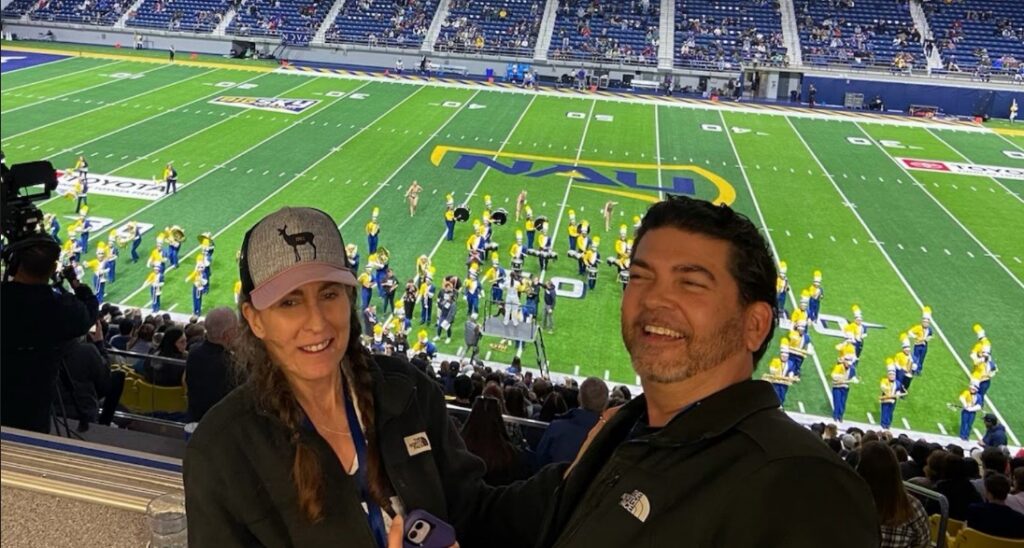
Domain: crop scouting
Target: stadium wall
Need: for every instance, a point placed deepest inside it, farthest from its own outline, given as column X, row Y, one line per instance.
column 962, row 99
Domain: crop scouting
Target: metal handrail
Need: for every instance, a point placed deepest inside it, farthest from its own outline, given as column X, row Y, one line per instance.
column 940, row 541
column 139, row 355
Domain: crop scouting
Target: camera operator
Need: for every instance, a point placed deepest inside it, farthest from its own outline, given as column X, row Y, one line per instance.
column 40, row 323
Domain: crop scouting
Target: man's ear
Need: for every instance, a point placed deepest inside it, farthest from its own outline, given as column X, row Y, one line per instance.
column 758, row 321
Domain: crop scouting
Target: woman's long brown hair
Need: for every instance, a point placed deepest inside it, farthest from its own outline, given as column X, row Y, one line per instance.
column 881, row 471
column 274, row 394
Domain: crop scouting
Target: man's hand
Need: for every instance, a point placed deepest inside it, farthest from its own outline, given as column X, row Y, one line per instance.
column 97, row 334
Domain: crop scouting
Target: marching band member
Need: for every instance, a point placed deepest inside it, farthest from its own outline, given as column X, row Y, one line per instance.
column 206, row 249
column 69, row 252
column 199, row 282
column 136, row 236
column 423, row 345
column 400, row 323
column 607, row 212
column 780, row 381
column 582, row 245
column 238, row 290
column 472, row 290
column 800, row 312
column 365, row 287
column 971, row 401
column 445, row 314
column 798, row 341
column 170, row 178
column 636, row 223
column 622, row 244
column 531, row 228
column 532, row 303
column 352, row 254
column 378, row 346
column 849, row 332
column 51, row 225
column 496, row 275
column 520, row 203
column 425, row 296
column 891, row 391
column 377, row 263
column 817, row 293
column 156, row 261
column 79, row 230
column 781, row 289
column 81, row 186
column 422, row 268
column 920, row 334
column 412, row 196
column 475, row 244
column 488, row 230
column 512, row 311
column 841, row 382
column 488, row 205
column 860, row 331
column 449, row 218
column 573, row 230
column 906, row 368
column 82, row 168
column 100, row 271
column 591, row 260
column 173, row 249
column 544, row 252
column 155, row 281
column 373, row 231
column 112, row 255
column 515, row 252
column 984, row 368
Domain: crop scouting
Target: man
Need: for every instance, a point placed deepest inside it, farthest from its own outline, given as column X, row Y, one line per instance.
column 697, row 316
column 373, row 231
column 994, row 517
column 891, row 392
column 170, row 179
column 472, row 335
column 208, row 372
column 920, row 334
column 550, row 297
column 39, row 324
column 995, row 433
column 993, row 461
column 564, row 436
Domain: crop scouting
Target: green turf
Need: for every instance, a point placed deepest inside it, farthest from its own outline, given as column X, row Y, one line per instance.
column 882, row 241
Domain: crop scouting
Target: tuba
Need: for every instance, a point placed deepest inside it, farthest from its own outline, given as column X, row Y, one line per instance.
column 177, row 234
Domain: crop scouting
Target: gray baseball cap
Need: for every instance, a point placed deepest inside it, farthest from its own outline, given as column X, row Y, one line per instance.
column 289, row 248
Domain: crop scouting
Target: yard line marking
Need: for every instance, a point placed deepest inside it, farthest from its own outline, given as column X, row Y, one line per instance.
column 568, row 187
column 771, row 243
column 480, row 180
column 977, row 434
column 871, row 418
column 84, row 112
column 942, row 428
column 1017, row 259
column 943, row 207
column 966, row 159
column 947, row 252
column 304, row 171
column 970, row 254
column 906, row 423
column 924, row 249
column 657, row 152
column 65, row 75
column 910, row 289
column 810, row 236
column 800, row 404
column 64, row 96
column 899, row 246
column 222, row 165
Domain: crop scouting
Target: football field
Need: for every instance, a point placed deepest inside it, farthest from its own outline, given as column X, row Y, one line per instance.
column 896, row 214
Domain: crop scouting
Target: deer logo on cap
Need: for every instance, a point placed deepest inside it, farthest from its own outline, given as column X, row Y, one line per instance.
column 297, row 239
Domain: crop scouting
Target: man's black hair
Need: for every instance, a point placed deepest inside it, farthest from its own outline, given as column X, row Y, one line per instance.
column 750, row 260
column 38, row 261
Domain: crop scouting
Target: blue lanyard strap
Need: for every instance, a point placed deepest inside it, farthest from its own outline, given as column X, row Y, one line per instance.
column 373, row 511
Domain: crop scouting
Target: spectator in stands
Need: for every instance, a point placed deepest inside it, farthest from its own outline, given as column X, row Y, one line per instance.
column 124, row 328
column 195, row 333
column 463, row 391
column 697, row 315
column 564, row 437
column 957, row 487
column 995, row 433
column 993, row 461
column 472, row 334
column 914, row 467
column 1016, row 498
column 994, row 517
column 142, row 343
column 88, row 382
column 903, row 519
column 166, row 373
column 553, row 406
column 208, row 373
column 933, row 470
column 486, row 437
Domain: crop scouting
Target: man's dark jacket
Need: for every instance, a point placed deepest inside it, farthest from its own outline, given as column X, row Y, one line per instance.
column 209, row 377
column 39, row 325
column 239, row 490
column 733, row 470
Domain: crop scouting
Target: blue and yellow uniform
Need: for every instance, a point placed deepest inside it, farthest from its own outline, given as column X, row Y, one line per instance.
column 136, row 235
column 776, row 375
column 424, row 345
column 891, row 391
column 365, row 288
column 920, row 334
column 797, row 342
column 170, row 177
column 573, row 230
column 971, row 402
column 530, row 227
column 449, row 218
column 516, row 253
column 373, row 231
column 860, row 331
column 841, row 382
column 199, row 282
column 781, row 289
column 906, row 368
column 155, row 281
column 472, row 290
column 425, row 295
column 352, row 255
column 817, row 294
column 52, row 226
column 112, row 256
column 591, row 260
column 496, row 277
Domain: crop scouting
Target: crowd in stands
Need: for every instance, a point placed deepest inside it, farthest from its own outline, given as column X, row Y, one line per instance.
column 624, row 31
column 401, row 23
column 191, row 15
column 277, row 17
column 500, row 26
column 723, row 33
column 94, row 12
column 859, row 33
column 982, row 37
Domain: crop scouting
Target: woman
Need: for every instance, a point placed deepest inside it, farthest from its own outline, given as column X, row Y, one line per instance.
column 166, row 373
column 904, row 521
column 326, row 445
column 554, row 405
column 486, row 437
column 142, row 343
column 412, row 196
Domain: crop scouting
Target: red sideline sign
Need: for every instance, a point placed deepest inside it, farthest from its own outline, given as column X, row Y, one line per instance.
column 999, row 172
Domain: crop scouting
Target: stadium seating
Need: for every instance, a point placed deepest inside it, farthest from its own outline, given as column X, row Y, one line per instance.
column 142, row 397
column 727, row 32
column 190, row 15
column 988, row 33
column 401, row 23
column 280, row 18
column 971, row 538
column 491, row 26
column 624, row 31
column 858, row 33
column 95, row 12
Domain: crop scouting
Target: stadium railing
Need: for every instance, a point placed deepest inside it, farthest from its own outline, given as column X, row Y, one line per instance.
column 939, row 533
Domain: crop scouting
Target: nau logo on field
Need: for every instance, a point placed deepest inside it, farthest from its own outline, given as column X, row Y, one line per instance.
column 615, row 175
column 287, row 106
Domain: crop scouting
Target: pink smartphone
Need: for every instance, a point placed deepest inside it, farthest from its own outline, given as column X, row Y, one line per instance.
column 424, row 530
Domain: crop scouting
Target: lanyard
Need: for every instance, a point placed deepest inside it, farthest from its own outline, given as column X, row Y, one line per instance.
column 373, row 512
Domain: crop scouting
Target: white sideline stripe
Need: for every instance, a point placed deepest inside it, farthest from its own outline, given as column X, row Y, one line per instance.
column 906, row 284
column 101, row 84
column 943, row 207
column 282, row 187
column 203, row 175
column 568, row 186
column 65, row 75
column 771, row 242
column 966, row 159
column 105, row 105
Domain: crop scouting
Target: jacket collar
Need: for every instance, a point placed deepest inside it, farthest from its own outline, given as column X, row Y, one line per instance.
column 707, row 418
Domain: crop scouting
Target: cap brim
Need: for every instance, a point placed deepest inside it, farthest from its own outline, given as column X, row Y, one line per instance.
column 289, row 279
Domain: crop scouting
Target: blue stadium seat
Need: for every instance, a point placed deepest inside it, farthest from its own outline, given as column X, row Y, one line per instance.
column 401, row 23
column 724, row 33
column 491, row 26
column 614, row 31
